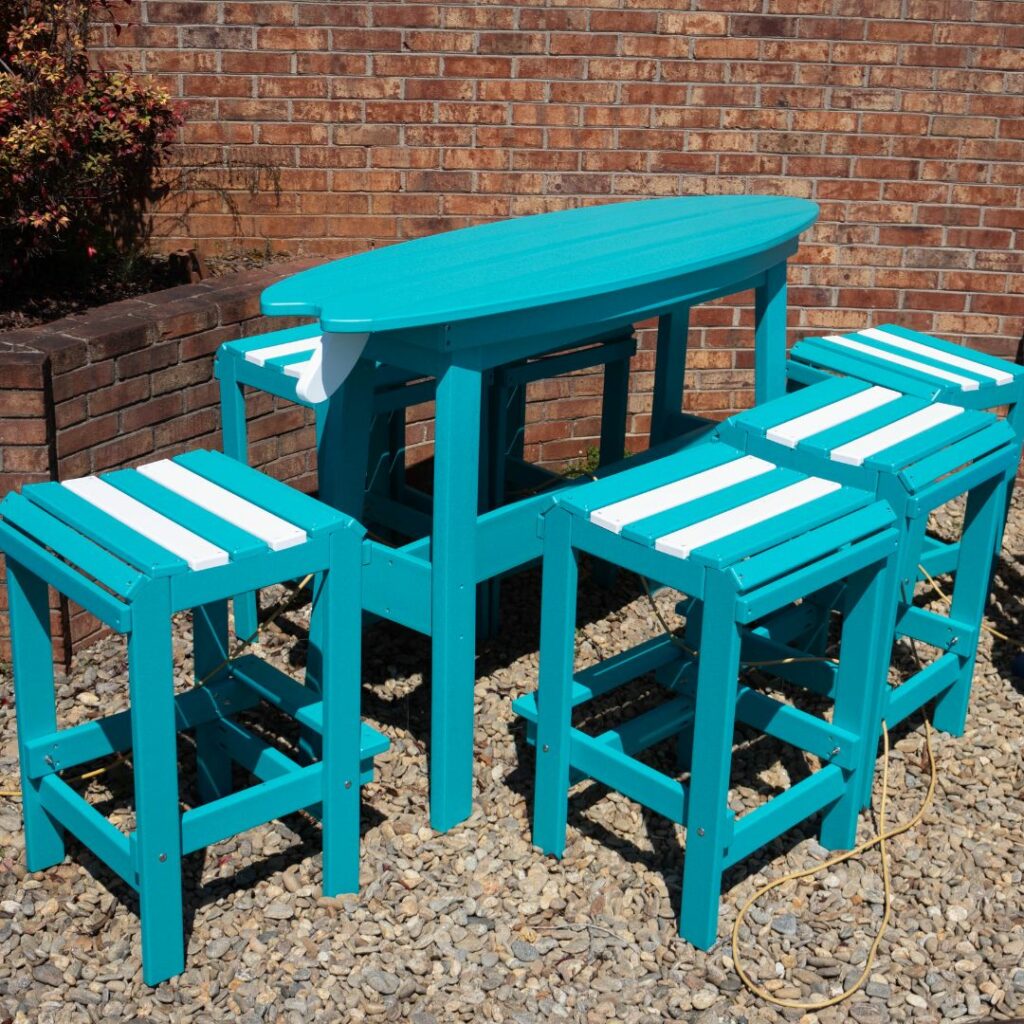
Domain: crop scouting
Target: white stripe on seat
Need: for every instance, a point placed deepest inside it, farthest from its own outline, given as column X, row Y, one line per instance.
column 854, row 452
column 275, row 532
column 966, row 384
column 938, row 354
column 197, row 551
column 793, row 431
column 681, row 542
column 619, row 514
column 259, row 356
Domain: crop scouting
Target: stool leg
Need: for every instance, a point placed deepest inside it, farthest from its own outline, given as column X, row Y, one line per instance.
column 614, row 402
column 554, row 691
column 691, row 636
column 669, row 372
column 154, row 758
column 34, row 705
column 233, row 428
column 340, row 605
column 210, row 642
column 714, row 721
column 869, row 609
column 310, row 741
column 396, row 454
column 986, row 506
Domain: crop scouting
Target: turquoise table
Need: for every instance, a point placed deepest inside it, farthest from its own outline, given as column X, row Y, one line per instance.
column 457, row 306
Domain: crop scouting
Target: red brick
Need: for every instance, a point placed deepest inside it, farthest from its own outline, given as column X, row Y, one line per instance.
column 19, row 403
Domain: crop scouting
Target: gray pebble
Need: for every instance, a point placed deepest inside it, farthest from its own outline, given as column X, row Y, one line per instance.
column 784, row 925
column 524, row 951
column 383, row 982
column 48, row 974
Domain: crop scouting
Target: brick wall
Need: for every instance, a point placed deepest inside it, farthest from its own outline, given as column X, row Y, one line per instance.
column 131, row 382
column 324, row 128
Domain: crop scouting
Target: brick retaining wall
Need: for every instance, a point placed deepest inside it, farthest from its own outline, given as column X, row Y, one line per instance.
column 130, row 382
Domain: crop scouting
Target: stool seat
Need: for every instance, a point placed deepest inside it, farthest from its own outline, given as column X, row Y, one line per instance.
column 713, row 506
column 134, row 546
column 861, row 433
column 917, row 363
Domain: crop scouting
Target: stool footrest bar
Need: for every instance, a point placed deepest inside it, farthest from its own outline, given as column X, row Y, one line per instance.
column 68, row 748
column 935, row 630
column 80, row 818
column 923, row 687
column 238, row 812
column 623, row 668
column 783, row 812
column 817, row 676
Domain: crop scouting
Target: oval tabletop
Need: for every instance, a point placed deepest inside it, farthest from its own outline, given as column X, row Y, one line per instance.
column 531, row 262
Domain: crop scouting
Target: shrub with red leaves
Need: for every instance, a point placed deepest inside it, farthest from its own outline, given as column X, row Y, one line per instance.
column 79, row 146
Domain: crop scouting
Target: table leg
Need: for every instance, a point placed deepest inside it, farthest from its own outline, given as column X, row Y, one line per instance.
column 342, row 463
column 341, row 468
column 669, row 372
column 453, row 599
column 770, row 335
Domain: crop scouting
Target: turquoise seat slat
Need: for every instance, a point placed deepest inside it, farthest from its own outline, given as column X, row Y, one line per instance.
column 842, row 360
column 993, row 362
column 781, row 528
column 224, row 534
column 823, row 443
column 105, row 530
column 97, row 562
column 272, row 495
column 918, row 357
column 770, row 414
column 240, row 346
column 929, row 441
column 813, row 544
column 646, row 476
column 977, row 445
column 647, row 531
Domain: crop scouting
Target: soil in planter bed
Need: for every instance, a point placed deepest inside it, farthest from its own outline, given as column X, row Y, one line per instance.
column 54, row 292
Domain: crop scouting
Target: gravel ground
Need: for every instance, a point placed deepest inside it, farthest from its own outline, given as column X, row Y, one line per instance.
column 475, row 925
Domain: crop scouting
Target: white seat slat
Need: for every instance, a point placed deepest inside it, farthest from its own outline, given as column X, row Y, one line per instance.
column 619, row 514
column 854, row 452
column 793, row 431
column 275, row 532
column 682, row 542
column 196, row 551
column 938, row 354
column 966, row 383
column 259, row 356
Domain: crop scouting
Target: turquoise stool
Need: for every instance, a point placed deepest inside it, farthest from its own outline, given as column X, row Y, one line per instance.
column 743, row 538
column 917, row 364
column 273, row 363
column 133, row 547
column 916, row 455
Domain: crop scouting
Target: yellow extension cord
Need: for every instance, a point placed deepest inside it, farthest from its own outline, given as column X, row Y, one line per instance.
column 879, row 840
column 242, row 646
